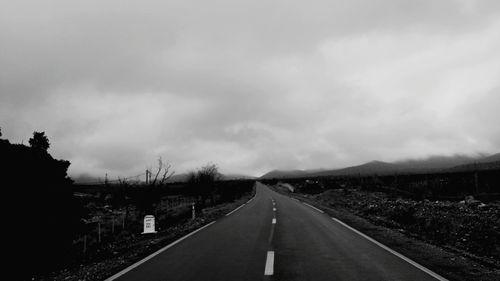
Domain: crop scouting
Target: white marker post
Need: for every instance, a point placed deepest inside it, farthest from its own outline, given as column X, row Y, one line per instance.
column 149, row 224
column 193, row 212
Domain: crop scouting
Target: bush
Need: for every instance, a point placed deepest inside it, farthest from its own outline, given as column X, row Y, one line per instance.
column 403, row 214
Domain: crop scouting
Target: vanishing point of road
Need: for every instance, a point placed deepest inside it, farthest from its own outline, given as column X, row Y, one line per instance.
column 274, row 237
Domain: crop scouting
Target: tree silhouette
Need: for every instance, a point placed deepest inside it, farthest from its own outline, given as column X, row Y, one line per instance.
column 39, row 201
column 202, row 182
column 39, row 141
column 162, row 168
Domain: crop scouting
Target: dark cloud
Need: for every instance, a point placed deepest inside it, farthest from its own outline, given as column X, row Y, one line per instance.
column 253, row 85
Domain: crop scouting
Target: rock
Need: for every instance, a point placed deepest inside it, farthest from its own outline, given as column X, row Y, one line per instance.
column 470, row 200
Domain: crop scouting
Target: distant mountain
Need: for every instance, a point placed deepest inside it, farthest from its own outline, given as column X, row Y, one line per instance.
column 85, row 179
column 373, row 167
column 237, row 177
column 485, row 163
column 492, row 158
column 436, row 162
column 178, row 178
column 278, row 174
column 427, row 165
column 476, row 166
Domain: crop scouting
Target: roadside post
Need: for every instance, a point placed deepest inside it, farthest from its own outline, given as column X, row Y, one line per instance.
column 85, row 244
column 193, row 212
column 123, row 220
column 149, row 224
column 99, row 231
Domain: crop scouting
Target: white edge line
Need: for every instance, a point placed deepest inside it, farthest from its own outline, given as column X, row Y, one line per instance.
column 408, row 260
column 235, row 210
column 269, row 270
column 313, row 207
column 251, row 198
column 155, row 253
column 255, row 194
column 295, row 199
column 241, row 205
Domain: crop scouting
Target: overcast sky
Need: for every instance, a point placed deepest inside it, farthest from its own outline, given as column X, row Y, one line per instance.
column 250, row 85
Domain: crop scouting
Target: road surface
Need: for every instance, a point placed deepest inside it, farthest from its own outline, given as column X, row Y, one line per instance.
column 274, row 237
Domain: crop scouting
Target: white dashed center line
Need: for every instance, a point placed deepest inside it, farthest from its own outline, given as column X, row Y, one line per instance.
column 269, row 270
column 269, row 263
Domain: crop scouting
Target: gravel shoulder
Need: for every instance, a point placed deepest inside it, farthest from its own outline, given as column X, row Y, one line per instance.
column 451, row 263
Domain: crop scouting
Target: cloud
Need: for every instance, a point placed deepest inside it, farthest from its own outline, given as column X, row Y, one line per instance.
column 251, row 86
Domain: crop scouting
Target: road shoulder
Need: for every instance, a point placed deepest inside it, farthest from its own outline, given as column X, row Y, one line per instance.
column 141, row 249
column 449, row 264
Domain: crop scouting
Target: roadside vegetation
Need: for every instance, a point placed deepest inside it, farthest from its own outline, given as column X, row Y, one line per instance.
column 43, row 216
column 89, row 232
column 465, row 233
column 116, row 253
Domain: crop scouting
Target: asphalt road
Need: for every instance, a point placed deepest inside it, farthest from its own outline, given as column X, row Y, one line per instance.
column 305, row 243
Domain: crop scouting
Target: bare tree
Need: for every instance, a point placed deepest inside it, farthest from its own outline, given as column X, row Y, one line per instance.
column 209, row 174
column 164, row 171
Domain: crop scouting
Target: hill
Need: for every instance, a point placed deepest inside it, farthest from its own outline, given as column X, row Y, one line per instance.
column 427, row 165
column 373, row 167
column 489, row 159
column 437, row 162
column 236, row 177
column 279, row 174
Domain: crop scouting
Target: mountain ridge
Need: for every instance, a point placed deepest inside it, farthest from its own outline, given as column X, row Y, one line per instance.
column 429, row 164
